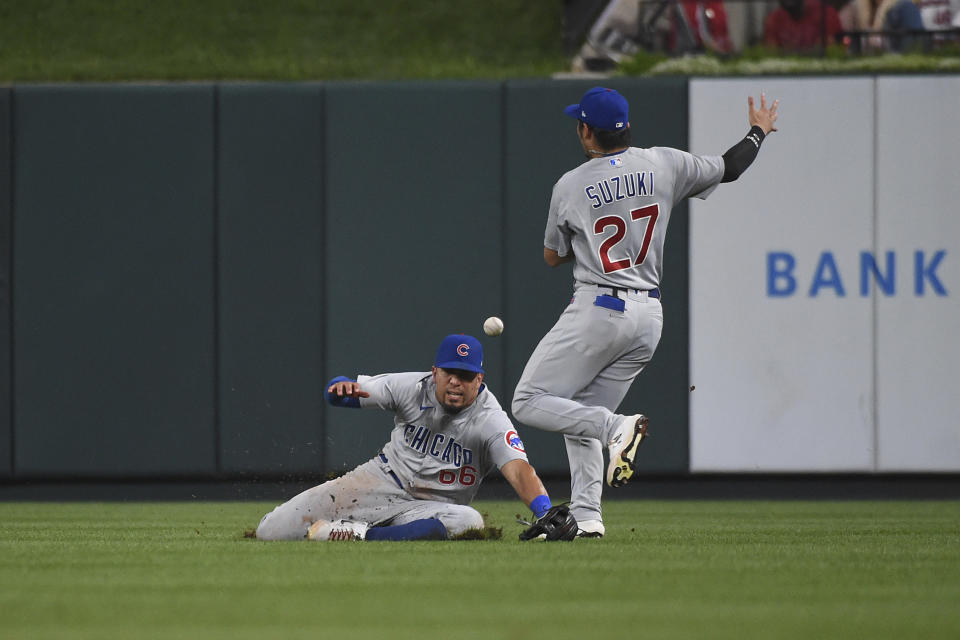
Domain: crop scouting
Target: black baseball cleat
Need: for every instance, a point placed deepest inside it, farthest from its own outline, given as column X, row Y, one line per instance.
column 630, row 434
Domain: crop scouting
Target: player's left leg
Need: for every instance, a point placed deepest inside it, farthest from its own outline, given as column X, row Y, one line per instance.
column 585, row 455
column 419, row 523
column 412, row 519
column 608, row 389
column 456, row 518
column 422, row 529
column 347, row 530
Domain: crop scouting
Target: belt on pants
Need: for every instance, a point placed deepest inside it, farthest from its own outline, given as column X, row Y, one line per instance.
column 383, row 458
column 616, row 291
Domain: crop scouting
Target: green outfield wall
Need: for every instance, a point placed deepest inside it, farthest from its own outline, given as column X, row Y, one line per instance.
column 184, row 266
column 6, row 390
column 113, row 280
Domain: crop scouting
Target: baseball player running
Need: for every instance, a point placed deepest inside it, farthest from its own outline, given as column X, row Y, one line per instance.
column 449, row 432
column 609, row 216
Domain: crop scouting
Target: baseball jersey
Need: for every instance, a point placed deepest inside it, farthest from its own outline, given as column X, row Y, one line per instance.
column 612, row 212
column 438, row 455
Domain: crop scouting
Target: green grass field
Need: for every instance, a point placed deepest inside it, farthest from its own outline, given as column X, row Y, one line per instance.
column 665, row 570
column 65, row 40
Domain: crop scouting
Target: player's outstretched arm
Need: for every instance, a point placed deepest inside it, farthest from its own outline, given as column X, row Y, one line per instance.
column 553, row 522
column 762, row 117
column 741, row 155
column 344, row 392
column 525, row 481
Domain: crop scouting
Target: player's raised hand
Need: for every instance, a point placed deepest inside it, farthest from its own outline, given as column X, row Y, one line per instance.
column 349, row 389
column 763, row 117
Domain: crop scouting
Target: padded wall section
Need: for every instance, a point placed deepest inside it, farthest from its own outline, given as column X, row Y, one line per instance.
column 918, row 354
column 541, row 146
column 6, row 391
column 113, row 268
column 270, row 213
column 413, row 237
column 781, row 336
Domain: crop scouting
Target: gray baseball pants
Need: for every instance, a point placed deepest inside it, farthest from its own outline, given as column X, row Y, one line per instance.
column 366, row 494
column 579, row 374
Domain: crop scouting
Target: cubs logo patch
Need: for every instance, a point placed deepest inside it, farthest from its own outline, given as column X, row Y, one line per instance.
column 514, row 441
column 463, row 350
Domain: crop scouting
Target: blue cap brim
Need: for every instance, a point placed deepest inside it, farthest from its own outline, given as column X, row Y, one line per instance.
column 456, row 364
column 573, row 111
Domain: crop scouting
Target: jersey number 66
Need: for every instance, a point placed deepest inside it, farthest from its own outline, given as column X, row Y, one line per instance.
column 468, row 476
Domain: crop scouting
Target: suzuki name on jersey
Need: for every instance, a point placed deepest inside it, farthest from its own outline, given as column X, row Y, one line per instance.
column 438, row 445
column 628, row 185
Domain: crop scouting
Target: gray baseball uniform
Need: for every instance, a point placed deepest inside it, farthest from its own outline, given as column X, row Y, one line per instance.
column 431, row 467
column 612, row 213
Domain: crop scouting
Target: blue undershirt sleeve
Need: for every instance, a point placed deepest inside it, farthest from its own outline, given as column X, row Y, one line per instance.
column 344, row 401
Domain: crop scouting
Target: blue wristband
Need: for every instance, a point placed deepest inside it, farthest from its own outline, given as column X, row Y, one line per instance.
column 342, row 401
column 540, row 505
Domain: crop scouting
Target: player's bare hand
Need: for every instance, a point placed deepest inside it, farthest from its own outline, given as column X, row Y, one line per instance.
column 763, row 117
column 348, row 389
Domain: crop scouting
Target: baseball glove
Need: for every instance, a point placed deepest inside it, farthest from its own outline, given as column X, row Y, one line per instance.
column 556, row 524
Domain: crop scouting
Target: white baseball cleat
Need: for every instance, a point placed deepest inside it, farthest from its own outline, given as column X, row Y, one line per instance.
column 631, row 432
column 338, row 530
column 590, row 529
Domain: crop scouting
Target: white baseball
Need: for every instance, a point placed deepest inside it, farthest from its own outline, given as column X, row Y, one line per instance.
column 493, row 326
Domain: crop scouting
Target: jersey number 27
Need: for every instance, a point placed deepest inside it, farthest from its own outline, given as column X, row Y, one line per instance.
column 620, row 230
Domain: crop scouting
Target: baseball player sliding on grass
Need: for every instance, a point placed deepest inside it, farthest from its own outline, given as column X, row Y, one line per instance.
column 449, row 432
column 609, row 216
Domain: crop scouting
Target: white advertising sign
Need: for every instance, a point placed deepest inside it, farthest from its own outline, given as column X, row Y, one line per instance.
column 824, row 281
column 918, row 313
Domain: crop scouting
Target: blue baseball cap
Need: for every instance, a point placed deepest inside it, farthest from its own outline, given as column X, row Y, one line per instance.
column 460, row 351
column 601, row 108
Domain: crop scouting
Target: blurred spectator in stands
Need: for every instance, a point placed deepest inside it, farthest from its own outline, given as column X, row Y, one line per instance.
column 611, row 39
column 801, row 26
column 882, row 15
column 697, row 26
column 936, row 15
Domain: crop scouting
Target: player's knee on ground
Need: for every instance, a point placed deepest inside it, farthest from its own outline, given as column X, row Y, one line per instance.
column 278, row 525
column 459, row 518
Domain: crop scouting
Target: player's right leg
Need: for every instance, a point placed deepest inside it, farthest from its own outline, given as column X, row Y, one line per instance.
column 624, row 463
column 583, row 342
column 366, row 494
column 292, row 519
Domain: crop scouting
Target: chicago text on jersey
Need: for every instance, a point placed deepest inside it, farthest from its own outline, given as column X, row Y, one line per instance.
column 418, row 438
